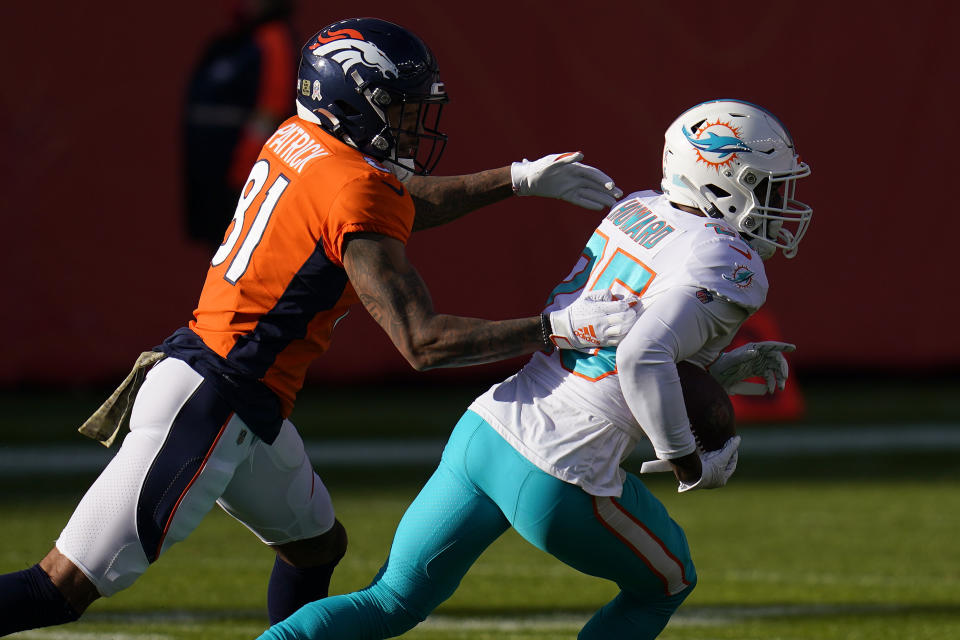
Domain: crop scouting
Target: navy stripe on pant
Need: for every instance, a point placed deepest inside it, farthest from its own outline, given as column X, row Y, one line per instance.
column 191, row 438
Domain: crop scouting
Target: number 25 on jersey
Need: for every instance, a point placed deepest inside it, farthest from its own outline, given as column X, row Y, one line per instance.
column 619, row 271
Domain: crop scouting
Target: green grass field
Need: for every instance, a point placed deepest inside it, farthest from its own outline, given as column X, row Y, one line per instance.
column 797, row 547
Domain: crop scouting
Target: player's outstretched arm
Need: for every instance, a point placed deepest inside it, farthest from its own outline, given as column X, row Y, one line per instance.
column 395, row 295
column 442, row 199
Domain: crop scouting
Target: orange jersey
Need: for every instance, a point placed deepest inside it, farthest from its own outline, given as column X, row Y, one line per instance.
column 277, row 286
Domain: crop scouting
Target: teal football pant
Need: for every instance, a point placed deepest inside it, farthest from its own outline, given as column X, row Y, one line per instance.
column 481, row 487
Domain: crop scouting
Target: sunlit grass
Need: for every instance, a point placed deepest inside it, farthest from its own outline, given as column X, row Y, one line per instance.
column 778, row 558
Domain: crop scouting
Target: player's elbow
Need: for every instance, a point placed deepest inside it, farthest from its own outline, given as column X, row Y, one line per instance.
column 421, row 352
column 419, row 361
column 431, row 343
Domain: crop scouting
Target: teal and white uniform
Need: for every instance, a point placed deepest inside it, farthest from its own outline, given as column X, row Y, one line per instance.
column 574, row 414
column 541, row 451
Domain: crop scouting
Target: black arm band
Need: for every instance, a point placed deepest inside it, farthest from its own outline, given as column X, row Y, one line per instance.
column 546, row 330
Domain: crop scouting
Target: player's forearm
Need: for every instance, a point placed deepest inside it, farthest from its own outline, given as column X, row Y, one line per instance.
column 652, row 390
column 454, row 341
column 396, row 297
column 443, row 199
column 429, row 340
column 673, row 327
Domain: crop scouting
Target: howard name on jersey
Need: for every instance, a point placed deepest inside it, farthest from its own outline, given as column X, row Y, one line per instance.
column 565, row 411
column 674, row 248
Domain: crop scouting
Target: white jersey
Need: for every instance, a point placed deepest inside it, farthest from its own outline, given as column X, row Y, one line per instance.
column 567, row 412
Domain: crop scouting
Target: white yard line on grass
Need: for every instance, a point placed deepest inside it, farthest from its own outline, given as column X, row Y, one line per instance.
column 794, row 440
column 61, row 634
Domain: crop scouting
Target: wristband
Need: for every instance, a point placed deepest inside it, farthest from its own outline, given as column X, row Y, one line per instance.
column 546, row 330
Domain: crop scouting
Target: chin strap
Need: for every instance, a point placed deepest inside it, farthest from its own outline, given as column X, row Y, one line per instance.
column 713, row 212
column 700, row 200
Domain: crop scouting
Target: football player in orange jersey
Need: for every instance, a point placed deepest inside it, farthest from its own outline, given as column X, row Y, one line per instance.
column 320, row 225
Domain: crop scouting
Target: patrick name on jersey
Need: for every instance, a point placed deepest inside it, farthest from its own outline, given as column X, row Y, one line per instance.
column 295, row 147
column 639, row 223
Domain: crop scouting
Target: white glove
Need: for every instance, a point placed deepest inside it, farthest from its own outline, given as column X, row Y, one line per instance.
column 717, row 466
column 763, row 359
column 562, row 176
column 595, row 320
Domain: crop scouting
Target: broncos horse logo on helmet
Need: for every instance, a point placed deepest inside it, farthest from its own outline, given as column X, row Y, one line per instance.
column 353, row 71
column 349, row 49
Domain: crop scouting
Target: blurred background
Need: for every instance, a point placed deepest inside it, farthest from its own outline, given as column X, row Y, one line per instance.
column 112, row 113
column 100, row 264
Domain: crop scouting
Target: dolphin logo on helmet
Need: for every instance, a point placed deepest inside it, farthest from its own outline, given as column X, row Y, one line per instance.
column 721, row 145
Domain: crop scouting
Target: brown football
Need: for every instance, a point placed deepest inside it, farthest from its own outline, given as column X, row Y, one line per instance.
column 708, row 407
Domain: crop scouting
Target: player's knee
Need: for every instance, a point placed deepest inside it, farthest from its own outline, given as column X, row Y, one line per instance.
column 327, row 548
column 669, row 604
column 686, row 592
column 635, row 614
column 397, row 615
column 400, row 621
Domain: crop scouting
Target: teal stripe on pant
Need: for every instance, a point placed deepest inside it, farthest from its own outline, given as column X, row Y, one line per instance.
column 481, row 487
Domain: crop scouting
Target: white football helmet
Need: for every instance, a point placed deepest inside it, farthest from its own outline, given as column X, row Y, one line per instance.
column 734, row 160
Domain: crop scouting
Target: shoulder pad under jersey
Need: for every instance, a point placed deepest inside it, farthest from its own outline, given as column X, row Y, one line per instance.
column 729, row 268
column 647, row 193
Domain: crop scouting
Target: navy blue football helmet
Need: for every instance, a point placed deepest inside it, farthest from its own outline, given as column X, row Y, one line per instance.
column 364, row 80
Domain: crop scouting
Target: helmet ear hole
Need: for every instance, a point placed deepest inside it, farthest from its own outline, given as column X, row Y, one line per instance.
column 346, row 108
column 761, row 189
column 718, row 191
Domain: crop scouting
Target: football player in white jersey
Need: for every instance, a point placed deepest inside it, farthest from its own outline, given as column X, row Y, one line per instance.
column 541, row 451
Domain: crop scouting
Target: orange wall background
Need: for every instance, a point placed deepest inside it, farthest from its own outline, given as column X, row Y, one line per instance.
column 97, row 267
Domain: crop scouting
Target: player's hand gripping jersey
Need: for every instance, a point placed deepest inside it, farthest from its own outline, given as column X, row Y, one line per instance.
column 571, row 413
column 277, row 286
